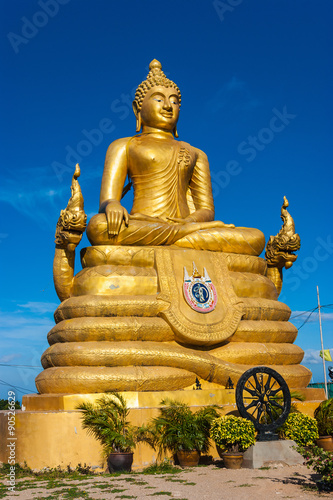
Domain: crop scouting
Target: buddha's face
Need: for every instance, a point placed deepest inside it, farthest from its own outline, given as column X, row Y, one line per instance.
column 160, row 108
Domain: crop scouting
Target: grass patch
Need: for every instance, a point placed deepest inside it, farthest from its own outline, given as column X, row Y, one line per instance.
column 54, row 483
column 159, row 493
column 126, row 496
column 74, row 492
column 183, row 481
column 264, row 468
column 50, row 497
column 244, row 485
column 67, row 493
column 162, row 468
column 3, row 490
column 101, row 486
column 79, row 473
column 27, row 485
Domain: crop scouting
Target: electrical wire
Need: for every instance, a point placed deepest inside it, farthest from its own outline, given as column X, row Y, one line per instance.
column 17, row 387
column 304, row 312
column 21, row 366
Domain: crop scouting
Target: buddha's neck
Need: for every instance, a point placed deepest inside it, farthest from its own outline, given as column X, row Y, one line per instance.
column 163, row 134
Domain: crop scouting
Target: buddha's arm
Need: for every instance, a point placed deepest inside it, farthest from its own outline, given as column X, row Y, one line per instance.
column 114, row 176
column 201, row 191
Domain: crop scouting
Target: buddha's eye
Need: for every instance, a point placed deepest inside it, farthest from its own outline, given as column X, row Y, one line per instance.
column 156, row 99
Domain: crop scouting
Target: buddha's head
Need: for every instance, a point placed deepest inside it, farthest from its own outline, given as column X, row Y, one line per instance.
column 157, row 101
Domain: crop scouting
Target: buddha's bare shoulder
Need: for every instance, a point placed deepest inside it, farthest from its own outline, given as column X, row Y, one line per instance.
column 118, row 145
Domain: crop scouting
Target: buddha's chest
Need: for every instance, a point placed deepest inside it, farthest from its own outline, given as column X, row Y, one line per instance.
column 151, row 157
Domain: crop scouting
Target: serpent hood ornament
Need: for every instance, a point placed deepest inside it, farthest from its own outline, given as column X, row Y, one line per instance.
column 199, row 291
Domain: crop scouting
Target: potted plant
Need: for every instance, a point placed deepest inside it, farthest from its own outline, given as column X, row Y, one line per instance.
column 324, row 417
column 107, row 421
column 180, row 431
column 300, row 428
column 232, row 436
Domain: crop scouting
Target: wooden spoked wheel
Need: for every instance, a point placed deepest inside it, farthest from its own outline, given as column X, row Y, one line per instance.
column 263, row 397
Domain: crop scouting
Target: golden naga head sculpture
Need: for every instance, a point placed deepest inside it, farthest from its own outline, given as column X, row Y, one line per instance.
column 155, row 78
column 73, row 220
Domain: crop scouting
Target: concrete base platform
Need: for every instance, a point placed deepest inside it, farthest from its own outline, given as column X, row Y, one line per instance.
column 268, row 453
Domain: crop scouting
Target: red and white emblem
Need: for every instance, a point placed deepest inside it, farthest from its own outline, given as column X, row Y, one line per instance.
column 199, row 291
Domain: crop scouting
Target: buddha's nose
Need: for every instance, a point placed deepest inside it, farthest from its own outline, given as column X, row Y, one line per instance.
column 167, row 105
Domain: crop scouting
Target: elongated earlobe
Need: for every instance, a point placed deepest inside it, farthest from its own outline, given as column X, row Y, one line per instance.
column 175, row 133
column 137, row 116
column 138, row 122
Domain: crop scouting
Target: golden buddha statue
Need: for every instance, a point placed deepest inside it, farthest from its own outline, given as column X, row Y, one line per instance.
column 173, row 202
column 135, row 318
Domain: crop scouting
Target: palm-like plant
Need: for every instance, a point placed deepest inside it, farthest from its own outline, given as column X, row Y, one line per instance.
column 107, row 421
column 324, row 416
column 178, row 429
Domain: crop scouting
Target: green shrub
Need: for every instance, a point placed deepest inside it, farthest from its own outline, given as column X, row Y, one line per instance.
column 107, row 421
column 177, row 428
column 300, row 428
column 233, row 433
column 321, row 461
column 324, row 416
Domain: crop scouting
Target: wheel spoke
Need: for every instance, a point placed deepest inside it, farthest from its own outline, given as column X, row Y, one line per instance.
column 249, row 382
column 274, row 393
column 260, row 410
column 276, row 404
column 253, row 393
column 258, row 386
column 254, row 403
column 267, row 385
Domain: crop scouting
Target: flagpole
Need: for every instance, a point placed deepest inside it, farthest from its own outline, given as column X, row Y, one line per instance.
column 322, row 343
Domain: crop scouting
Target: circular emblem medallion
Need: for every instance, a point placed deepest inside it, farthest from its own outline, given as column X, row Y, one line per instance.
column 199, row 291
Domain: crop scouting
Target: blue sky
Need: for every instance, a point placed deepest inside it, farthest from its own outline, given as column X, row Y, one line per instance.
column 256, row 80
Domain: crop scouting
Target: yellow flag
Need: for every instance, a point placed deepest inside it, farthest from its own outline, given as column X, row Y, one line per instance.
column 327, row 355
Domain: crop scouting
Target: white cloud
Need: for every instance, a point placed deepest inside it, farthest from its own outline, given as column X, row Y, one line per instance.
column 20, row 325
column 301, row 316
column 9, row 357
column 311, row 356
column 40, row 307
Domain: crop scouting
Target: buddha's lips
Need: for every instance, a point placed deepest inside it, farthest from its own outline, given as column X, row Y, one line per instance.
column 167, row 115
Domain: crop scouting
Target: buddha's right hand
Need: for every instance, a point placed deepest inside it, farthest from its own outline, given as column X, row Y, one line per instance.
column 115, row 215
